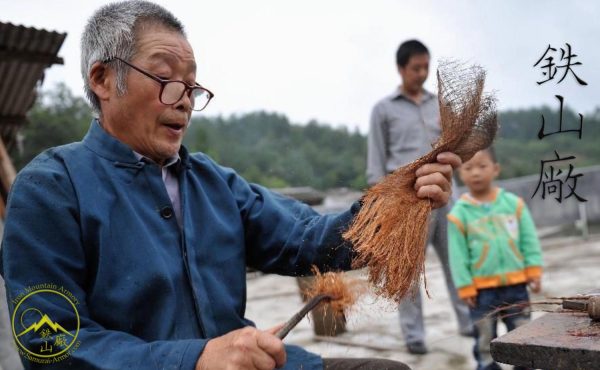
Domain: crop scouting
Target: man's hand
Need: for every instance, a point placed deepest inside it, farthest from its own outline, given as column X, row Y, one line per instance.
column 535, row 284
column 247, row 348
column 434, row 179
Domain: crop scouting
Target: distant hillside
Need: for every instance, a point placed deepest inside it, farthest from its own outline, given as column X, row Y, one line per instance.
column 268, row 149
column 520, row 151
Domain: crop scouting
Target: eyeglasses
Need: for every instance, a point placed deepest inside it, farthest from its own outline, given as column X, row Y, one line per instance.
column 171, row 91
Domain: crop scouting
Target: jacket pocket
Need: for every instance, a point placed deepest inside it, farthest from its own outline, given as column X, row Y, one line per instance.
column 486, row 249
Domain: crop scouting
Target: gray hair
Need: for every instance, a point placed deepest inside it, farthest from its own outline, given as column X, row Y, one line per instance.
column 111, row 32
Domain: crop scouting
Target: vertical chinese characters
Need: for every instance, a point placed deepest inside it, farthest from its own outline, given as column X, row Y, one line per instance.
column 553, row 179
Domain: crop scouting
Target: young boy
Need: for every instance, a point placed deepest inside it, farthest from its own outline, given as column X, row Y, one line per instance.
column 494, row 252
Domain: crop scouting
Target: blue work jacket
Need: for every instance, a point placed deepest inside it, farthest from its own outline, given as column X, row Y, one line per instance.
column 92, row 220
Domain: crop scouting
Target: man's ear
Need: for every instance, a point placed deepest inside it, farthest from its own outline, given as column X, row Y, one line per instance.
column 401, row 71
column 100, row 81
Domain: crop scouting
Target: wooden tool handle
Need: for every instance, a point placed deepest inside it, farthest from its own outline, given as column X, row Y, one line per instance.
column 291, row 323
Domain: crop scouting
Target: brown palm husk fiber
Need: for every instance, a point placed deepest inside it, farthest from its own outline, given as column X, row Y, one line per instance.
column 390, row 231
column 344, row 291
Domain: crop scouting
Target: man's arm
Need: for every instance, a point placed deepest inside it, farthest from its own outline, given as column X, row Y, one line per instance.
column 43, row 245
column 287, row 237
column 377, row 146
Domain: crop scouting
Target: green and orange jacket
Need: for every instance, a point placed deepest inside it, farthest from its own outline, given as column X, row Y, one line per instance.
column 493, row 244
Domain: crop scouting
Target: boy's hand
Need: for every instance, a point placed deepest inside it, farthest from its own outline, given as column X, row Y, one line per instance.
column 434, row 179
column 470, row 301
column 535, row 284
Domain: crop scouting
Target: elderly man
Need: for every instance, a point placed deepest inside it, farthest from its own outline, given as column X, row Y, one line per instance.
column 148, row 243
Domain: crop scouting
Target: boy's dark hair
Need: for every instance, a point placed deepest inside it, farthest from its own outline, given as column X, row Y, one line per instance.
column 492, row 153
column 407, row 49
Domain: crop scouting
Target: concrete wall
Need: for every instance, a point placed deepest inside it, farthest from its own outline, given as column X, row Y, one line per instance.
column 548, row 212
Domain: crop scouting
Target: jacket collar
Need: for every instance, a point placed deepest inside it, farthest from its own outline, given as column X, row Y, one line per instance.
column 107, row 146
column 174, row 160
column 398, row 93
column 467, row 197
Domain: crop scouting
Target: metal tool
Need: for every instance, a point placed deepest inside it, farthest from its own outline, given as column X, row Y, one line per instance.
column 591, row 305
column 291, row 323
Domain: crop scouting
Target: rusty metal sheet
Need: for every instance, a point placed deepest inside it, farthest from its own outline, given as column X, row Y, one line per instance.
column 562, row 340
column 25, row 53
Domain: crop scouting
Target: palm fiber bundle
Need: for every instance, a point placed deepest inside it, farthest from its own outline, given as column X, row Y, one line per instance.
column 344, row 291
column 390, row 231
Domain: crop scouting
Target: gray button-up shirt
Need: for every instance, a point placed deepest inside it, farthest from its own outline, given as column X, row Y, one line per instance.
column 400, row 132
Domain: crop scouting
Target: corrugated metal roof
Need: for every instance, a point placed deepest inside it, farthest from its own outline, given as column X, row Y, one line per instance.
column 25, row 53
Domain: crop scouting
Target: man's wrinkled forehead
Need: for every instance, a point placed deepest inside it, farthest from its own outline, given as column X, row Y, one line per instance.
column 163, row 44
column 160, row 57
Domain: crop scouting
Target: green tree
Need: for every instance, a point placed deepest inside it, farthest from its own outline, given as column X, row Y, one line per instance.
column 58, row 117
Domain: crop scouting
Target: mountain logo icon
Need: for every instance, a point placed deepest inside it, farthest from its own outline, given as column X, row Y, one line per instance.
column 45, row 320
column 36, row 323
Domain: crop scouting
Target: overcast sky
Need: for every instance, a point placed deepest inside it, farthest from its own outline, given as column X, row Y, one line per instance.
column 331, row 60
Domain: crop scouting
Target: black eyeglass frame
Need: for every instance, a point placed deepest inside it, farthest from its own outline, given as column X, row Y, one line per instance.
column 188, row 88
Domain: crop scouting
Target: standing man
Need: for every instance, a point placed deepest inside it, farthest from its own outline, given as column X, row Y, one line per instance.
column 403, row 126
column 125, row 251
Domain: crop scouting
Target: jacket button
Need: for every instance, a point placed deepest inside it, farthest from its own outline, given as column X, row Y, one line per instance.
column 166, row 212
